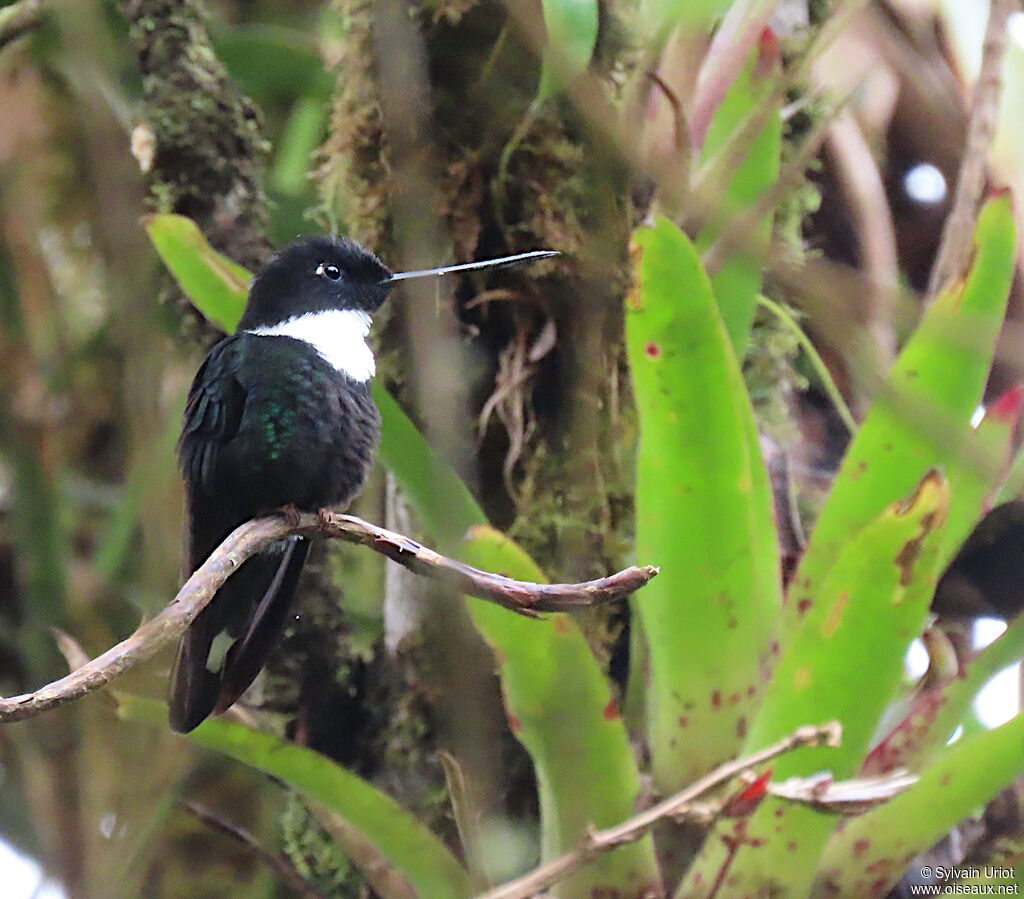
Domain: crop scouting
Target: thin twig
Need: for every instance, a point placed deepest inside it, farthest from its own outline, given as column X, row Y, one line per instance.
column 817, row 363
column 253, row 536
column 277, row 863
column 954, row 249
column 682, row 804
column 864, row 190
column 20, row 18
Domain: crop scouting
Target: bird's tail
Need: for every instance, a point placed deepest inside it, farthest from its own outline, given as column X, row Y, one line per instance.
column 231, row 639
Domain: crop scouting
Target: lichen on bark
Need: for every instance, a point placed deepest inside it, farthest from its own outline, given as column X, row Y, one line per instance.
column 205, row 144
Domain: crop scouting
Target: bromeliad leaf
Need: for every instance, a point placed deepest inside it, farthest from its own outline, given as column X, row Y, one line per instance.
column 571, row 27
column 216, row 286
column 398, row 841
column 846, row 662
column 703, row 510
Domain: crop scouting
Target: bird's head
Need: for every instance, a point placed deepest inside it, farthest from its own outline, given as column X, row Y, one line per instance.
column 316, row 274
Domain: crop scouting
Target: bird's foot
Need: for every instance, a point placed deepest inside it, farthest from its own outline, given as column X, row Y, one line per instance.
column 324, row 518
column 290, row 514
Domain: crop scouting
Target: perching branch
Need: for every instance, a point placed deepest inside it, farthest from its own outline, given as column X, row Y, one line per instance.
column 253, row 536
column 683, row 804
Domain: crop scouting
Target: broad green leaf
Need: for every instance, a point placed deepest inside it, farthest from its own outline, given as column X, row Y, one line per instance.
column 738, row 283
column 659, row 16
column 443, row 502
column 297, row 145
column 557, row 701
column 984, row 465
column 571, row 27
column 561, row 709
column 703, row 513
column 845, row 662
column 870, row 853
column 273, row 64
column 922, row 419
column 401, row 841
column 216, row 286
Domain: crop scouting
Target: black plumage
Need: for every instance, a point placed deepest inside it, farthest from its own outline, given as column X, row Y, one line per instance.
column 279, row 415
column 269, row 422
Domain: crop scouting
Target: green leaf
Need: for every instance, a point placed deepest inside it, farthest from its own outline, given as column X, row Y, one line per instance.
column 658, row 16
column 273, row 64
column 922, row 418
column 216, row 286
column 737, row 284
column 703, row 513
column 571, row 27
column 561, row 709
column 297, row 145
column 845, row 662
column 870, row 853
column 443, row 502
column 402, row 842
column 984, row 463
column 557, row 701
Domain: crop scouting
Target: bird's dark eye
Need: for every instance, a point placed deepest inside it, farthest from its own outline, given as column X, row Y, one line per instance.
column 329, row 271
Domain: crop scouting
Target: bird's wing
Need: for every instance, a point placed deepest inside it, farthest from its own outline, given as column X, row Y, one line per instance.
column 213, row 416
column 225, row 647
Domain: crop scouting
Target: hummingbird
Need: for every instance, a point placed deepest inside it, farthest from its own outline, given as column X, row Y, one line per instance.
column 279, row 418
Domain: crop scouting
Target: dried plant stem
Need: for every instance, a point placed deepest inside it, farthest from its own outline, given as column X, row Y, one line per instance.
column 814, row 357
column 249, row 538
column 683, row 804
column 20, row 18
column 954, row 249
column 284, row 870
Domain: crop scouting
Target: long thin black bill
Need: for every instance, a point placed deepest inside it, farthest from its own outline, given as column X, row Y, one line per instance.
column 471, row 266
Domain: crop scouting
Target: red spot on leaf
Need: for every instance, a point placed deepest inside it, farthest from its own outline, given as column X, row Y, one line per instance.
column 683, row 721
column 611, row 711
column 716, row 699
column 652, row 350
column 860, row 847
column 804, row 605
column 515, row 725
column 741, row 726
column 768, row 55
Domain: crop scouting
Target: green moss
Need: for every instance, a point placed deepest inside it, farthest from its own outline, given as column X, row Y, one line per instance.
column 209, row 146
column 314, row 853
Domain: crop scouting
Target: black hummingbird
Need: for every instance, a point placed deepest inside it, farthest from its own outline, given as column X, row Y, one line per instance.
column 279, row 416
